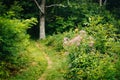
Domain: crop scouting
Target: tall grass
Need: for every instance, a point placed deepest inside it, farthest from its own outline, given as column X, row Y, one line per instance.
column 35, row 66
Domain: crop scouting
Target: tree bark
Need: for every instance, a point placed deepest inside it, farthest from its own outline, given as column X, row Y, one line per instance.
column 105, row 2
column 41, row 7
column 42, row 20
column 42, row 27
column 100, row 2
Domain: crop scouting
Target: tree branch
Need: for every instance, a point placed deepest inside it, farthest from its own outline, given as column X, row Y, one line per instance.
column 38, row 6
column 68, row 2
column 105, row 2
column 55, row 5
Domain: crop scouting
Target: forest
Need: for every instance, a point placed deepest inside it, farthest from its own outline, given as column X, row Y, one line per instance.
column 59, row 39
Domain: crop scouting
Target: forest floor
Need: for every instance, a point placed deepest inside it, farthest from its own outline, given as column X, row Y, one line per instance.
column 49, row 66
column 45, row 64
column 49, row 63
column 56, row 63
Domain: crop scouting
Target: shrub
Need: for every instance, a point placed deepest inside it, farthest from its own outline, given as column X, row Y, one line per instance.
column 104, row 33
column 89, row 64
column 92, row 66
column 118, row 69
column 97, row 62
column 56, row 40
column 13, row 41
column 35, row 65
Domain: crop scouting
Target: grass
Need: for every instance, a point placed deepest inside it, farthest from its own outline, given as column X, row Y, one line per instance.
column 59, row 64
column 37, row 65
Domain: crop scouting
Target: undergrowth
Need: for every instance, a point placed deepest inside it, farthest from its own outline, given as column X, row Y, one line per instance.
column 59, row 63
column 35, row 66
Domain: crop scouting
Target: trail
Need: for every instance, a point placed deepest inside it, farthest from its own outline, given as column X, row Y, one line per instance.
column 57, row 63
column 49, row 62
column 43, row 76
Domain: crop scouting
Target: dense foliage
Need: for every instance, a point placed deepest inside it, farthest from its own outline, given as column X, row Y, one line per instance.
column 98, row 61
column 34, row 64
column 13, row 41
column 63, row 18
column 91, row 66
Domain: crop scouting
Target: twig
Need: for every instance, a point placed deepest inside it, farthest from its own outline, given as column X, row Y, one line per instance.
column 55, row 5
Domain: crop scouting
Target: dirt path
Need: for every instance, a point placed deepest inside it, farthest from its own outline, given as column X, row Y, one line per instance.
column 43, row 76
column 49, row 66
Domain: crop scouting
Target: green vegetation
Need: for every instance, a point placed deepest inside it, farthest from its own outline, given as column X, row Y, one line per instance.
column 82, row 40
column 58, row 64
column 13, row 42
column 36, row 64
column 90, row 63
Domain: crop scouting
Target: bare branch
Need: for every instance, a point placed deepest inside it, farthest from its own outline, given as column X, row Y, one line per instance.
column 56, row 5
column 38, row 6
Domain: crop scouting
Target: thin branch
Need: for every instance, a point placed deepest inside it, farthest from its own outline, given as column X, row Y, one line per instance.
column 68, row 2
column 55, row 5
column 38, row 6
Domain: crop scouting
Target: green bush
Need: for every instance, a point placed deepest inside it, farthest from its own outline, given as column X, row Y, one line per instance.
column 97, row 62
column 56, row 40
column 35, row 66
column 92, row 66
column 13, row 41
column 118, row 69
column 104, row 33
column 86, row 63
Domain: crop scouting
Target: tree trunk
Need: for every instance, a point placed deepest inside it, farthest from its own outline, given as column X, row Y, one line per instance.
column 100, row 2
column 42, row 27
column 105, row 2
column 42, row 21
